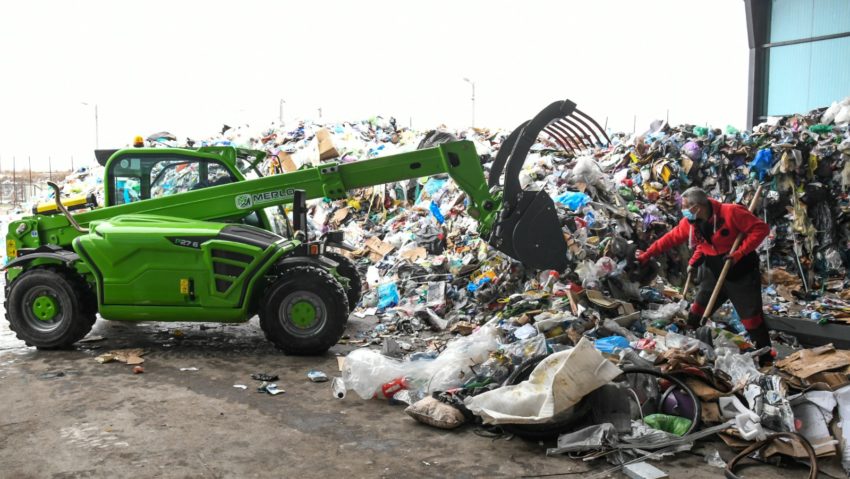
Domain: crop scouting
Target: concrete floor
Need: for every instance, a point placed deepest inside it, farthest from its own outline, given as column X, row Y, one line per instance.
column 100, row 420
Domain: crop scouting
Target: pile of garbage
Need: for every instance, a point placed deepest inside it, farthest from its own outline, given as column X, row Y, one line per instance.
column 542, row 346
column 535, row 348
column 616, row 394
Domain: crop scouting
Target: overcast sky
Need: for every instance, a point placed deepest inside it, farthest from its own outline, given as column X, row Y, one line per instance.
column 189, row 66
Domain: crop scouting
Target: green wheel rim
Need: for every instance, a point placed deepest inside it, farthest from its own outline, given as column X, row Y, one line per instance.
column 303, row 314
column 45, row 308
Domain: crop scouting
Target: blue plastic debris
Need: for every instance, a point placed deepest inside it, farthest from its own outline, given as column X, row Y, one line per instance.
column 573, row 199
column 762, row 163
column 611, row 344
column 387, row 295
column 435, row 210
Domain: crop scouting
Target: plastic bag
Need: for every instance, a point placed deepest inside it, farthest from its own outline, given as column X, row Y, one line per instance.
column 587, row 272
column 611, row 344
column 666, row 312
column 678, row 341
column 672, row 424
column 605, row 266
column 387, row 295
column 692, row 150
column 519, row 351
column 738, row 366
column 573, row 199
column 587, row 170
column 366, row 371
column 762, row 163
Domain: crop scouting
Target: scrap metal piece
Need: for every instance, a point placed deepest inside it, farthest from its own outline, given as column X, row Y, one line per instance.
column 644, row 470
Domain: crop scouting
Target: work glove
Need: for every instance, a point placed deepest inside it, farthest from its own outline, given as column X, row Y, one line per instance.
column 735, row 257
column 696, row 261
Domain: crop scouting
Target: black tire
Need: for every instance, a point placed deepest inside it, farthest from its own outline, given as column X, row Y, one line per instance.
column 73, row 301
column 674, row 381
column 297, row 288
column 559, row 424
column 347, row 270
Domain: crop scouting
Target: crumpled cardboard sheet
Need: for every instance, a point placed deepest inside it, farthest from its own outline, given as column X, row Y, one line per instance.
column 807, row 362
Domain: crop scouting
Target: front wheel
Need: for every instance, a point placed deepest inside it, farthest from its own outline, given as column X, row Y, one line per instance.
column 49, row 308
column 304, row 312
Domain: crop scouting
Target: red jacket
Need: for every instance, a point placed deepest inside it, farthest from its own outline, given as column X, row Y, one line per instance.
column 729, row 220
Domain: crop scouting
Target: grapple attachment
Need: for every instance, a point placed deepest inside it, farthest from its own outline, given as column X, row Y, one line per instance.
column 528, row 228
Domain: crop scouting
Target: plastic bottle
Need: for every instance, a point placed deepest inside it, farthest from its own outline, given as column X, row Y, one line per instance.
column 338, row 386
column 735, row 322
column 552, row 277
column 389, row 389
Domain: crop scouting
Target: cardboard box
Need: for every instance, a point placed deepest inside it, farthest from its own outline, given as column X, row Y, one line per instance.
column 327, row 151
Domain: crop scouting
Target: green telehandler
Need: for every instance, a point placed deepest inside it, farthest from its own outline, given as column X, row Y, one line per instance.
column 213, row 248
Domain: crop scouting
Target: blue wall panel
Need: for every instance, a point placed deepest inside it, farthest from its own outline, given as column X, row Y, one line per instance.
column 830, row 16
column 830, row 76
column 788, row 78
column 790, row 20
column 809, row 75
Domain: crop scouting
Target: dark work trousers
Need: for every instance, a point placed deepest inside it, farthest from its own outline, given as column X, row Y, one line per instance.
column 742, row 287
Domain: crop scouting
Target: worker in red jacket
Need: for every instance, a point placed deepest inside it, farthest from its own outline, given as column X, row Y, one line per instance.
column 710, row 228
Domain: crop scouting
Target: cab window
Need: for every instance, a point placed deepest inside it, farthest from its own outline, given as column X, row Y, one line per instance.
column 155, row 176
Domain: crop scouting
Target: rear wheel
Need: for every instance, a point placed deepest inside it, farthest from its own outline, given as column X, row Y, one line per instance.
column 347, row 270
column 304, row 312
column 49, row 308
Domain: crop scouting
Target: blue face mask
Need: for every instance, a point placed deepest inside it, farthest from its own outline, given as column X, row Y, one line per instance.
column 689, row 215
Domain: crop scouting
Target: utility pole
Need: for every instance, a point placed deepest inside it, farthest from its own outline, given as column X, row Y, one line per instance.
column 96, row 126
column 14, row 183
column 29, row 167
column 280, row 114
column 72, row 164
column 472, row 83
column 320, row 112
column 49, row 168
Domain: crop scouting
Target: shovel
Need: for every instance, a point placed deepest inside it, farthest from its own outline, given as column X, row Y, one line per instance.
column 728, row 265
column 688, row 281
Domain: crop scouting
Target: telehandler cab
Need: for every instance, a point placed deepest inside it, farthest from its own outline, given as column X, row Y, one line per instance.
column 218, row 247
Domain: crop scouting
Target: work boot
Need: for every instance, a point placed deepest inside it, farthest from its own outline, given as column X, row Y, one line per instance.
column 761, row 338
column 704, row 334
column 694, row 320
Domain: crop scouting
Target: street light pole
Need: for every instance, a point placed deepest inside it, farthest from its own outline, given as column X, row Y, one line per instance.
column 96, row 126
column 472, row 83
column 280, row 118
